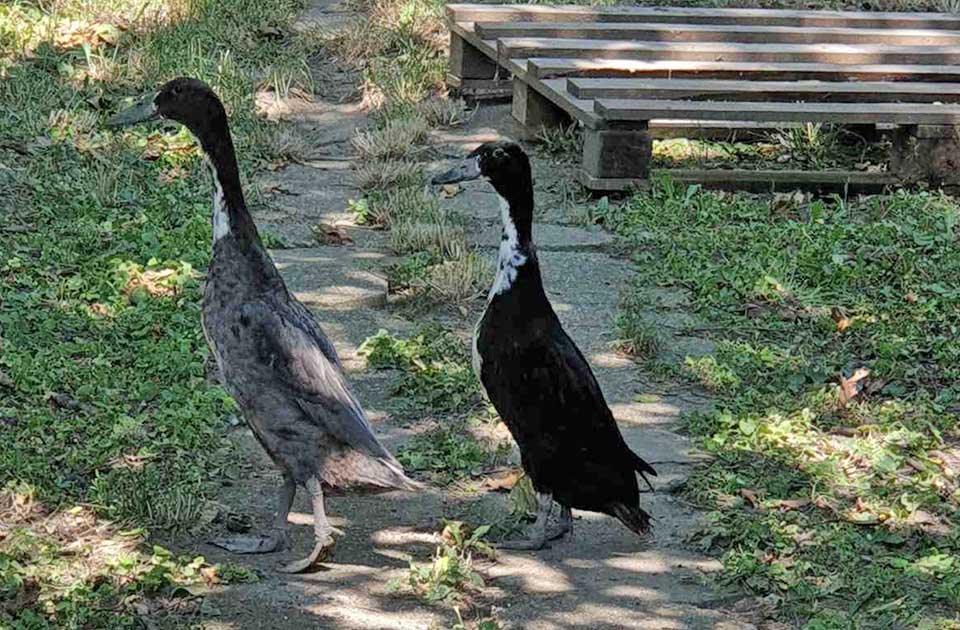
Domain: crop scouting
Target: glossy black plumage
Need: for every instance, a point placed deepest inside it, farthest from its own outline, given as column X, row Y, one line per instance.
column 543, row 388
column 535, row 376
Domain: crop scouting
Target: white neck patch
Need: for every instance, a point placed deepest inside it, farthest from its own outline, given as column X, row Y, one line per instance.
column 510, row 258
column 221, row 219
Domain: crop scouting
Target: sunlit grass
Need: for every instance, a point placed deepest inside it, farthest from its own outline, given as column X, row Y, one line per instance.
column 105, row 399
column 810, row 146
column 837, row 494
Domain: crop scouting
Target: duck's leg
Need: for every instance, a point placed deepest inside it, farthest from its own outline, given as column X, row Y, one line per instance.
column 323, row 531
column 565, row 526
column 538, row 532
column 276, row 537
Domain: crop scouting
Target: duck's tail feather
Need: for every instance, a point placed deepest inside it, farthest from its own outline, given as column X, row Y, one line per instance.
column 368, row 475
column 633, row 517
column 643, row 468
column 396, row 478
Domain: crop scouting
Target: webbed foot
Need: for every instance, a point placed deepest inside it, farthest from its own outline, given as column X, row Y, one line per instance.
column 524, row 544
column 262, row 543
column 564, row 527
column 322, row 551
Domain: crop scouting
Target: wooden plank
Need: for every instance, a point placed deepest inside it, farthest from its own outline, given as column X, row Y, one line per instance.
column 701, row 15
column 726, row 130
column 481, row 89
column 543, row 68
column 849, row 113
column 716, row 33
column 711, row 89
column 488, row 47
column 720, row 51
column 465, row 31
column 559, row 88
column 582, row 109
column 757, row 181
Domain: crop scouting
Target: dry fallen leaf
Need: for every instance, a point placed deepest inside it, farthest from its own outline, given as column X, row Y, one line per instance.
column 270, row 32
column 851, row 387
column 793, row 504
column 911, row 297
column 754, row 311
column 331, row 235
column 750, row 496
column 842, row 321
column 860, row 514
column 920, row 517
column 501, row 480
column 210, row 575
column 449, row 190
column 804, row 539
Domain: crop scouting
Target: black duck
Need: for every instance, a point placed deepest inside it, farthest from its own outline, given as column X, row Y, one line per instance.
column 537, row 378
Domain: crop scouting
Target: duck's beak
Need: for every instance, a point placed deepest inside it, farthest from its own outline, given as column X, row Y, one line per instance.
column 142, row 111
column 467, row 169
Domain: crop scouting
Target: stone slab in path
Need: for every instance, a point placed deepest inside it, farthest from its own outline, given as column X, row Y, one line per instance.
column 549, row 237
column 333, row 277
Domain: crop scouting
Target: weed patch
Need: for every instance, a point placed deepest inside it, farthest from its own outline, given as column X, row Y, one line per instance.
column 561, row 143
column 435, row 369
column 374, row 175
column 450, row 577
column 72, row 569
column 451, row 453
column 835, row 371
column 809, row 146
column 395, row 139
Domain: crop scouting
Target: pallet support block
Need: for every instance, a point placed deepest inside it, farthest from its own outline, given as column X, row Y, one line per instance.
column 534, row 111
column 617, row 152
column 473, row 74
column 926, row 153
column 467, row 62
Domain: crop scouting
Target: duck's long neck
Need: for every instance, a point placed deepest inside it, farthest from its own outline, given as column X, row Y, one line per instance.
column 517, row 264
column 230, row 214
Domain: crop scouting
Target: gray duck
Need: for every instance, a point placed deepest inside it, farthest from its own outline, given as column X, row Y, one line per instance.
column 273, row 357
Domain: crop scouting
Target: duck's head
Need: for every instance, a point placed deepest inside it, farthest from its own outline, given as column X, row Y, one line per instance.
column 188, row 101
column 504, row 163
column 507, row 167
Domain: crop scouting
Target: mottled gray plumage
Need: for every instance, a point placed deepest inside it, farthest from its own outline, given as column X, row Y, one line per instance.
column 273, row 357
column 286, row 377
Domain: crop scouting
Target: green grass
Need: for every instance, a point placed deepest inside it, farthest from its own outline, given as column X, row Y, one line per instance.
column 560, row 144
column 809, row 146
column 105, row 399
column 436, row 379
column 450, row 577
column 451, row 453
column 843, row 507
column 435, row 372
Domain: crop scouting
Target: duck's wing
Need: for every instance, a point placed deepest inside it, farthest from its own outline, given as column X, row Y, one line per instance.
column 293, row 359
column 304, row 319
column 572, row 376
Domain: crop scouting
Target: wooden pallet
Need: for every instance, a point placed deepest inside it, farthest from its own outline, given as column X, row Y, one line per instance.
column 631, row 74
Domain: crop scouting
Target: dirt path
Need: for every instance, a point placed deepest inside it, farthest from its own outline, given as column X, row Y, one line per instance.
column 601, row 578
